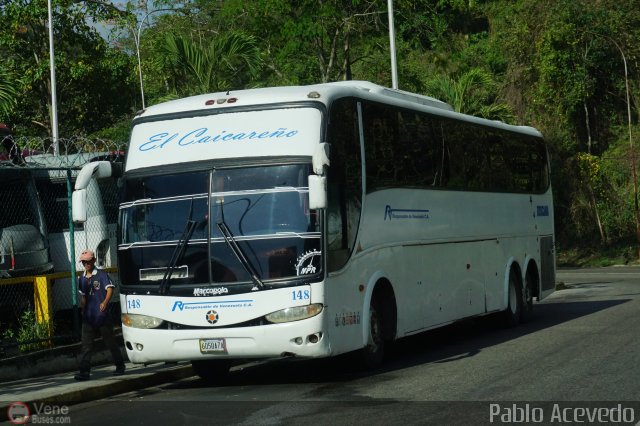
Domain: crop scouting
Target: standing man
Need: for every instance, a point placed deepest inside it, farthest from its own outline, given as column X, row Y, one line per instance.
column 96, row 289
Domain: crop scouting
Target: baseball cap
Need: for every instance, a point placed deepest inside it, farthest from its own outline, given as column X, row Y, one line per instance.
column 87, row 255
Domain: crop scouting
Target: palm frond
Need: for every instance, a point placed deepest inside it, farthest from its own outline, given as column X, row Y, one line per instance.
column 202, row 68
column 473, row 93
column 8, row 91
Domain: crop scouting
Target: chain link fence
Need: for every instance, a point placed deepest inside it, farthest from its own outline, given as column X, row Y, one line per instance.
column 40, row 245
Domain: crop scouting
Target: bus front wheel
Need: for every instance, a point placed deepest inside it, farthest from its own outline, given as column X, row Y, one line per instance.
column 373, row 352
column 212, row 370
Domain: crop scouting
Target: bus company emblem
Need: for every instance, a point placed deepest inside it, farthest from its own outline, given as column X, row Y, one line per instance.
column 390, row 213
column 212, row 317
column 210, row 291
column 308, row 263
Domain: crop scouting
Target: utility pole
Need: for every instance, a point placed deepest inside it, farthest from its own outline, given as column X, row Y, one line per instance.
column 54, row 101
column 392, row 46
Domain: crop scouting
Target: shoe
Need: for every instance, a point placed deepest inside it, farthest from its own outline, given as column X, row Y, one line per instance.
column 119, row 371
column 81, row 377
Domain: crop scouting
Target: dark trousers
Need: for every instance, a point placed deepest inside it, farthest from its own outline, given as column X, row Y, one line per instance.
column 89, row 333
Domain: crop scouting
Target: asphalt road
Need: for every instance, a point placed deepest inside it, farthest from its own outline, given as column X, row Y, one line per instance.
column 582, row 349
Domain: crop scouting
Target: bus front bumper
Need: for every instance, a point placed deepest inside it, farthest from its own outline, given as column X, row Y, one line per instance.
column 303, row 338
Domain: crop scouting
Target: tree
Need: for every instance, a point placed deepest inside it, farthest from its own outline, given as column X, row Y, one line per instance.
column 473, row 93
column 8, row 93
column 306, row 41
column 563, row 75
column 225, row 62
column 93, row 78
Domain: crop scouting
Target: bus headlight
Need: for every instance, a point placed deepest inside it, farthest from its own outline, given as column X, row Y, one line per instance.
column 296, row 313
column 140, row 321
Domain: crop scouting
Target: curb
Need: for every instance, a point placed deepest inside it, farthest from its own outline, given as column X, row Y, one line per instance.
column 56, row 360
column 107, row 389
column 51, row 362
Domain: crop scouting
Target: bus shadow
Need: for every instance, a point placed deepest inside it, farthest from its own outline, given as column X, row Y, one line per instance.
column 451, row 343
column 469, row 337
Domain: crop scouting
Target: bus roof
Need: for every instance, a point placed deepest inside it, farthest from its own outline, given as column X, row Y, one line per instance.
column 323, row 93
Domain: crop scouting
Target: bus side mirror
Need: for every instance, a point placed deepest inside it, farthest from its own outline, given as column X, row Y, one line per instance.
column 95, row 170
column 317, row 192
column 79, row 205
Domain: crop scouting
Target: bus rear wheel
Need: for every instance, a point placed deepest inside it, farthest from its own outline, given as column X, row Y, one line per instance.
column 527, row 300
column 373, row 352
column 212, row 370
column 513, row 312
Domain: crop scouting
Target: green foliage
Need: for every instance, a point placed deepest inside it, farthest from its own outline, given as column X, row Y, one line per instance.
column 119, row 132
column 616, row 199
column 565, row 75
column 602, row 184
column 195, row 67
column 8, row 92
column 589, row 187
column 93, row 79
column 309, row 41
column 30, row 330
column 473, row 92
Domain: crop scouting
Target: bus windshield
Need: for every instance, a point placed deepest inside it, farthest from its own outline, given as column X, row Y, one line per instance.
column 265, row 210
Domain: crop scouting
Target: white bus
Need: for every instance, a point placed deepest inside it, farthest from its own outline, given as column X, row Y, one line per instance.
column 314, row 221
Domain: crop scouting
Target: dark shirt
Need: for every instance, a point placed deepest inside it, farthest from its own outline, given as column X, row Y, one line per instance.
column 94, row 289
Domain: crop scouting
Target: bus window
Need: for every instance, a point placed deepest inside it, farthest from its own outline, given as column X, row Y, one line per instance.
column 404, row 148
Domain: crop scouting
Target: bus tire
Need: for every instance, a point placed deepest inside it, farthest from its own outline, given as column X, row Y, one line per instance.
column 373, row 353
column 212, row 370
column 514, row 302
column 527, row 298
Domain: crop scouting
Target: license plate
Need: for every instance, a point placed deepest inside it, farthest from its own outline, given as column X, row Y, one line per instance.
column 208, row 346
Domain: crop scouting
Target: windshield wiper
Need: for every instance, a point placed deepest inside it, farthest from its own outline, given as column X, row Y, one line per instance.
column 235, row 248
column 179, row 251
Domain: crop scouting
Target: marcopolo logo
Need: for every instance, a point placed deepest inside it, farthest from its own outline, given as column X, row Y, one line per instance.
column 215, row 291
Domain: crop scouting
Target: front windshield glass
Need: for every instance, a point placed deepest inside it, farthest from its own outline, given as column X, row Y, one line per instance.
column 264, row 208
